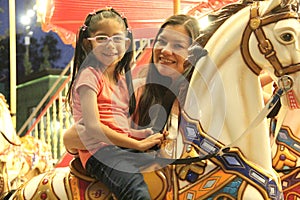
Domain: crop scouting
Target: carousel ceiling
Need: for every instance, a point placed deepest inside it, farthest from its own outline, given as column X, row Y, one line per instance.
column 65, row 16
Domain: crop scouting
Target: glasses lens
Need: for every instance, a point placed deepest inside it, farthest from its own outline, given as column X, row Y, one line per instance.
column 101, row 38
column 118, row 38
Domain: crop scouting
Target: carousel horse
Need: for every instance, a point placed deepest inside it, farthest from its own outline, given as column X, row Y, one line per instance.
column 220, row 149
column 237, row 129
column 20, row 158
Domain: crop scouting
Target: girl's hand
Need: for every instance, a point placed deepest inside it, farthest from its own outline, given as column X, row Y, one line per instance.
column 151, row 141
column 140, row 134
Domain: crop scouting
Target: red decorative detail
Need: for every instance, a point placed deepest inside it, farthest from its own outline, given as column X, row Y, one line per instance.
column 45, row 181
column 292, row 100
column 83, row 185
column 44, row 195
column 205, row 7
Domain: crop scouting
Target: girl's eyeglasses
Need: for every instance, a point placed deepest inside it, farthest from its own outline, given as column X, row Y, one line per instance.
column 103, row 39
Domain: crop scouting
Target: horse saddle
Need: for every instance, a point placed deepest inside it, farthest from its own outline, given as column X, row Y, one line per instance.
column 83, row 185
column 156, row 180
column 77, row 170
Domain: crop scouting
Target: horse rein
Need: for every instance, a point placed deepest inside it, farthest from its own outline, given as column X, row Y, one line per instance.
column 267, row 109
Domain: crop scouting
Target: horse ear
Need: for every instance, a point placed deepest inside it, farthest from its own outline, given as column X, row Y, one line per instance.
column 268, row 6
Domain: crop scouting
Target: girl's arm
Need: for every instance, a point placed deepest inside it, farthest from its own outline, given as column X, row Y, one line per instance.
column 101, row 132
column 140, row 133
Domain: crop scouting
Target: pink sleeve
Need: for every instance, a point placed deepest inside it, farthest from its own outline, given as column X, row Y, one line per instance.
column 90, row 77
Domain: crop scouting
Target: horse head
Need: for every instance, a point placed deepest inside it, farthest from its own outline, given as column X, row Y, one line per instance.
column 275, row 30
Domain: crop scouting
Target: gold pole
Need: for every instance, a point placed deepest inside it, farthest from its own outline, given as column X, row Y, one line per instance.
column 13, row 64
column 176, row 4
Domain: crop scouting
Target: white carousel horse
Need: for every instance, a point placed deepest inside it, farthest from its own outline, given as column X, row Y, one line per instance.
column 261, row 39
column 223, row 99
column 20, row 158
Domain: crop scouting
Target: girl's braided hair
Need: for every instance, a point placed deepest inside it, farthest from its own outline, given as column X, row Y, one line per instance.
column 83, row 49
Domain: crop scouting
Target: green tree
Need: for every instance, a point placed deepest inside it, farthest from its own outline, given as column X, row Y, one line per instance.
column 46, row 64
column 54, row 53
column 1, row 11
column 36, row 56
column 4, row 52
column 26, row 62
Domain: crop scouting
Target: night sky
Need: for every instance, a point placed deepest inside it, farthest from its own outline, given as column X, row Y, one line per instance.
column 67, row 51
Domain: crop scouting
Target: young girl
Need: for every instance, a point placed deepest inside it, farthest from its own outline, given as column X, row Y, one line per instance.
column 99, row 98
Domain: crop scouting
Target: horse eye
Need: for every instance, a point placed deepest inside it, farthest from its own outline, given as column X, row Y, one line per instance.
column 287, row 37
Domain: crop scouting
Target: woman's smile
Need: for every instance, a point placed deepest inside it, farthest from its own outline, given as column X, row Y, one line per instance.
column 166, row 61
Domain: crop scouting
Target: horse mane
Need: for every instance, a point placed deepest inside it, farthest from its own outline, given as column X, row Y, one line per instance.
column 286, row 7
column 217, row 18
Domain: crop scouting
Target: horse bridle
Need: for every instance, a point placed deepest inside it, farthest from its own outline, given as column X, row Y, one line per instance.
column 265, row 45
column 266, row 48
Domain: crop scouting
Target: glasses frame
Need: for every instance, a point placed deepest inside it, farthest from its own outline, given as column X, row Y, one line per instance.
column 124, row 38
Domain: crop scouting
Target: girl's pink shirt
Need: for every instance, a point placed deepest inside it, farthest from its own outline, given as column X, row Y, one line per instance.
column 113, row 101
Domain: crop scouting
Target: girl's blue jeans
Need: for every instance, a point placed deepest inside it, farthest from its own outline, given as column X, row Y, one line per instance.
column 119, row 170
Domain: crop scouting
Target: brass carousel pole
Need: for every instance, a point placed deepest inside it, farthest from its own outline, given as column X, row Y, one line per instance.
column 176, row 4
column 13, row 64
